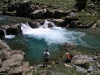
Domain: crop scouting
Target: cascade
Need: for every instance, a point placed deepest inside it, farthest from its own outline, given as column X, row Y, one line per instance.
column 8, row 36
column 52, row 35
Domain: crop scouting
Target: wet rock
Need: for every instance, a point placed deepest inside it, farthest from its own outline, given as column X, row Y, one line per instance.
column 59, row 22
column 32, row 24
column 13, row 29
column 1, row 33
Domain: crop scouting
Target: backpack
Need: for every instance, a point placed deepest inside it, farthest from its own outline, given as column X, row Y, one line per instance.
column 46, row 55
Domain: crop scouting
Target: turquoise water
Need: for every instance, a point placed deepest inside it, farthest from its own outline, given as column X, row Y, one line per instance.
column 34, row 48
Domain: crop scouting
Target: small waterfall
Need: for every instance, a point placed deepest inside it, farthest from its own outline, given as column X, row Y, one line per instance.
column 47, row 23
column 38, row 24
column 8, row 36
column 53, row 34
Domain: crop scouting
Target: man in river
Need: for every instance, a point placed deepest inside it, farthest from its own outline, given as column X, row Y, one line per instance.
column 46, row 56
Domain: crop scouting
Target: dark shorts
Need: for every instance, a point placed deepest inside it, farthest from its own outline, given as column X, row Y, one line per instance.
column 46, row 59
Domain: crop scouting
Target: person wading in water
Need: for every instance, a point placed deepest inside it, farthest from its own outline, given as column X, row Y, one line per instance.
column 46, row 56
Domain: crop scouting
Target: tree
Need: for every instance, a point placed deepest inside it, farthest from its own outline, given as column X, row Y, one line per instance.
column 80, row 4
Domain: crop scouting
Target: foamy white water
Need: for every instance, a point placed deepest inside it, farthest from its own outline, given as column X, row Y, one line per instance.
column 54, row 34
column 8, row 36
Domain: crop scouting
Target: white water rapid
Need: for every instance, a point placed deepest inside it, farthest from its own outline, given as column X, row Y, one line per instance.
column 8, row 36
column 53, row 35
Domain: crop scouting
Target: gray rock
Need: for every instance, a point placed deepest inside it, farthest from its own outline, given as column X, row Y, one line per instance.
column 0, row 61
column 17, row 69
column 81, row 62
column 13, row 29
column 98, row 64
column 59, row 22
column 32, row 24
column 38, row 13
column 58, row 13
column 13, row 60
column 98, row 22
column 4, row 46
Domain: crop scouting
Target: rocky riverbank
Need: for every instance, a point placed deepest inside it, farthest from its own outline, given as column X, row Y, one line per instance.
column 12, row 61
column 85, row 62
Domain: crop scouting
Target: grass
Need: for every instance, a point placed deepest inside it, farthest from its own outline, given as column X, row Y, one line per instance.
column 61, row 69
column 85, row 17
column 62, row 4
column 66, row 70
column 1, row 2
column 69, row 5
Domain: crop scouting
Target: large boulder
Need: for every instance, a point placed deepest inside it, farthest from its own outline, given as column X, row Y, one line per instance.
column 98, row 22
column 38, row 13
column 0, row 61
column 59, row 22
column 57, row 13
column 33, row 24
column 1, row 33
column 13, row 60
column 71, row 17
column 81, row 62
column 13, row 29
column 3, row 46
column 49, row 14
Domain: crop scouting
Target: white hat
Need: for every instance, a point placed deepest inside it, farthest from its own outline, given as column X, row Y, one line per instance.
column 67, row 53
